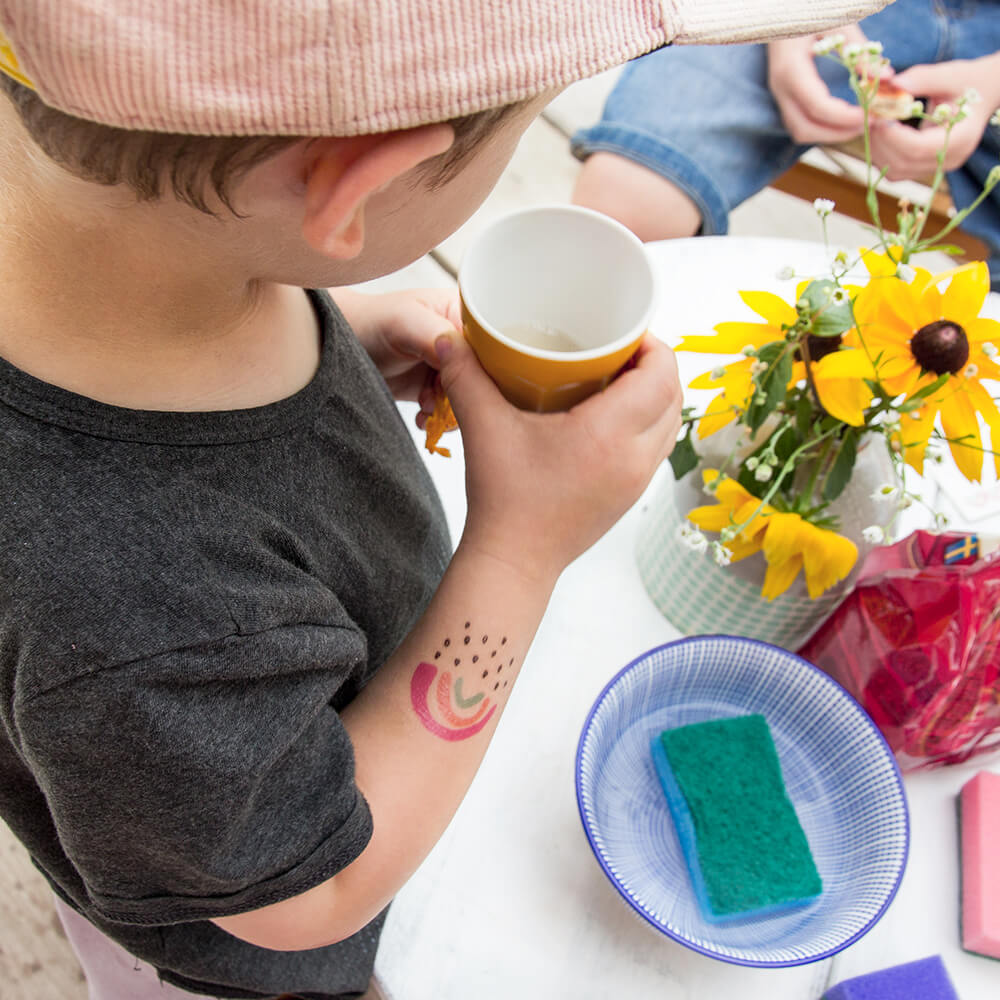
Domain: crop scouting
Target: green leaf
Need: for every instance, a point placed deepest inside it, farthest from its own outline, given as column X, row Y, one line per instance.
column 803, row 414
column 843, row 465
column 772, row 385
column 746, row 479
column 914, row 401
column 683, row 458
column 787, row 443
column 823, row 316
column 948, row 248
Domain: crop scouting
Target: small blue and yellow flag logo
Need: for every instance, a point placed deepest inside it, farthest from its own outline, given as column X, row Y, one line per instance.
column 964, row 548
column 9, row 63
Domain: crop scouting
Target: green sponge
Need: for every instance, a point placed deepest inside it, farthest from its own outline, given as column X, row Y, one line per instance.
column 746, row 851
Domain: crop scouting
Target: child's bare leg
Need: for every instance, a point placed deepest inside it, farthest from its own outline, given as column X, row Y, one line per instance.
column 112, row 973
column 645, row 201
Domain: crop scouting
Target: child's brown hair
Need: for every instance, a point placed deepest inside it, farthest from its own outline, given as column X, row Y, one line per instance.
column 191, row 166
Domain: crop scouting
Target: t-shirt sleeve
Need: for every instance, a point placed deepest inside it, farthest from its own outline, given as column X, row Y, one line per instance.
column 205, row 781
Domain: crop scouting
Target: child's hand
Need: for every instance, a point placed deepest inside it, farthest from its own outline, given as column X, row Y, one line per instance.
column 398, row 330
column 810, row 112
column 911, row 154
column 542, row 488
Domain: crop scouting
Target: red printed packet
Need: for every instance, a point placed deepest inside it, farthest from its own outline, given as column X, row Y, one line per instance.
column 917, row 643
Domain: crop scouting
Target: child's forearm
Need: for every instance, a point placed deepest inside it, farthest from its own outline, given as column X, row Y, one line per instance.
column 420, row 730
column 541, row 490
column 447, row 686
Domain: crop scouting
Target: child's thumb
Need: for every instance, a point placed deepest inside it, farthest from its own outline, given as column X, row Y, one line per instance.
column 925, row 81
column 463, row 379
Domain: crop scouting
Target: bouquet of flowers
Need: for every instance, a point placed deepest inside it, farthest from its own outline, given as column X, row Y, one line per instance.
column 902, row 361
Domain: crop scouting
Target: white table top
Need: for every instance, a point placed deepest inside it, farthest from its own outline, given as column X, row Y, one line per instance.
column 511, row 903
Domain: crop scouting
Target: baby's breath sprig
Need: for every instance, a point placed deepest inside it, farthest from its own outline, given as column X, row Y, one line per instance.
column 866, row 66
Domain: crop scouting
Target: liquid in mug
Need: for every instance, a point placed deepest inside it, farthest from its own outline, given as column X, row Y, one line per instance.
column 541, row 336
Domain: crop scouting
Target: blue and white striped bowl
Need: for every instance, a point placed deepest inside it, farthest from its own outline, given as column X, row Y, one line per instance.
column 839, row 773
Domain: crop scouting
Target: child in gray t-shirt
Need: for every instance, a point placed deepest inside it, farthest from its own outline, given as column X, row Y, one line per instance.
column 228, row 597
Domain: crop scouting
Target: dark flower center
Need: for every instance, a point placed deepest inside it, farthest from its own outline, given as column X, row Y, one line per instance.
column 820, row 347
column 940, row 347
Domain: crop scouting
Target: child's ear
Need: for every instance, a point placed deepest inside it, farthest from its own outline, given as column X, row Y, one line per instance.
column 342, row 173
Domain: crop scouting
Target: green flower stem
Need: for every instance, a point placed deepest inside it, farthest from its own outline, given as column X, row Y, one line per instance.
column 963, row 443
column 821, row 461
column 728, row 460
column 803, row 346
column 871, row 197
column 790, row 463
column 910, row 247
column 957, row 219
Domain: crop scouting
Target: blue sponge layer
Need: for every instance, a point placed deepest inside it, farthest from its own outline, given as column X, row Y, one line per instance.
column 925, row 979
column 743, row 845
column 684, row 825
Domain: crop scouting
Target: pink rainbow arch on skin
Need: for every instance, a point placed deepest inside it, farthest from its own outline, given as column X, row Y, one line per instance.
column 444, row 703
column 420, row 686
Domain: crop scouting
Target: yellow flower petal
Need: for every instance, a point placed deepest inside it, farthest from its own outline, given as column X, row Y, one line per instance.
column 930, row 305
column 740, row 549
column 733, row 506
column 982, row 329
column 783, row 538
column 906, row 384
column 710, row 517
column 749, row 509
column 848, row 363
column 961, row 426
column 738, row 335
column 735, row 379
column 845, row 399
column 730, row 493
column 895, row 366
column 882, row 330
column 966, row 292
column 780, row 576
column 840, row 383
column 878, row 264
column 983, row 402
column 899, row 297
column 703, row 344
column 717, row 415
column 772, row 307
column 827, row 559
column 915, row 431
column 728, row 343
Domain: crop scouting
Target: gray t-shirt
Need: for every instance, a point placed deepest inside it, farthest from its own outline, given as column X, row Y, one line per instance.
column 187, row 600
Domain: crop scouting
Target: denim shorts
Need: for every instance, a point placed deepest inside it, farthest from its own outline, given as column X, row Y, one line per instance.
column 703, row 117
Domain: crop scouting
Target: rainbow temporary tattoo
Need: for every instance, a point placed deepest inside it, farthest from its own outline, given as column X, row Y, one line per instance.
column 465, row 702
column 449, row 713
column 457, row 728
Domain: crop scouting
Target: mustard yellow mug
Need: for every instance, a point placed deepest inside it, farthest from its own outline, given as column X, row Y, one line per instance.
column 554, row 302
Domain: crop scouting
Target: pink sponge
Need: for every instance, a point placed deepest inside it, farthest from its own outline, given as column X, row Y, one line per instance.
column 925, row 979
column 980, row 822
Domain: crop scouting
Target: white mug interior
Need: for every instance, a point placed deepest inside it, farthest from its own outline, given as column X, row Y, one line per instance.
column 568, row 271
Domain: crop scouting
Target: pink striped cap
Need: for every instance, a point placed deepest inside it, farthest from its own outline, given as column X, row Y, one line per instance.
column 349, row 67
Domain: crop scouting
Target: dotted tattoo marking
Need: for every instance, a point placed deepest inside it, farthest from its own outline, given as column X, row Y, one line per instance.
column 446, row 711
